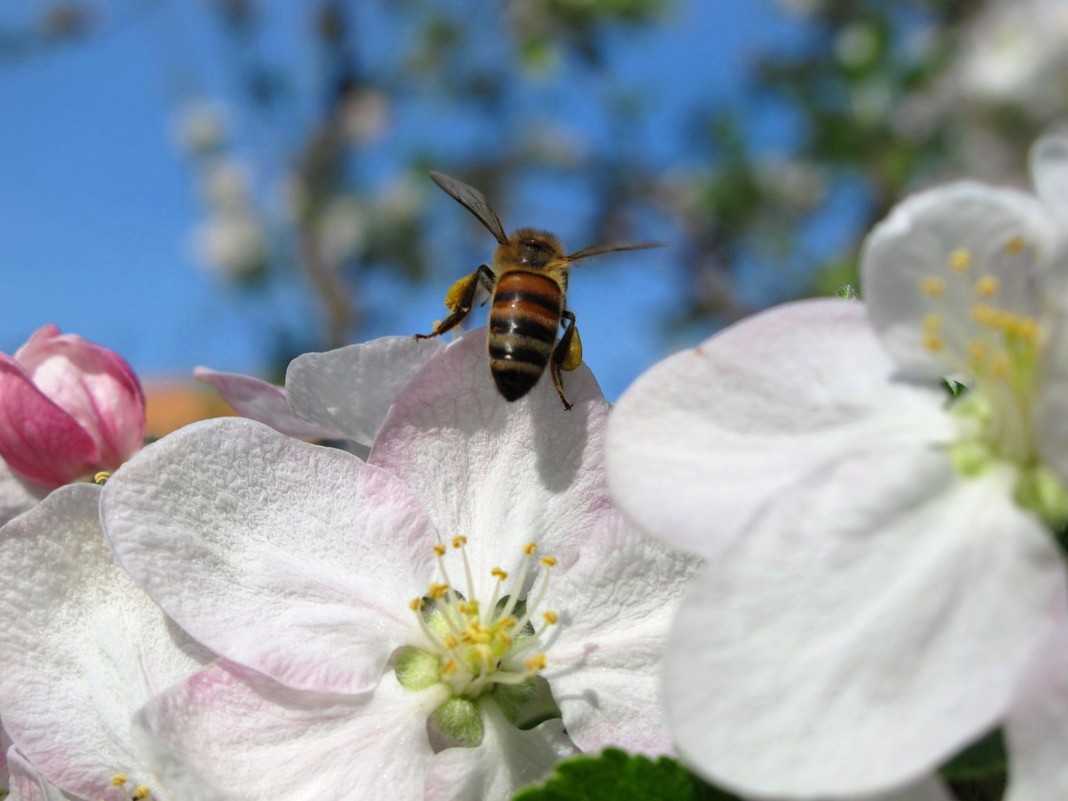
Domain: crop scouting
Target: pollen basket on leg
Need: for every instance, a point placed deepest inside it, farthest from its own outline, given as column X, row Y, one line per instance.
column 483, row 641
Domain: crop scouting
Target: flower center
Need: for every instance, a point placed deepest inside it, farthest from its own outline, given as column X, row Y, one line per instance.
column 480, row 646
column 982, row 322
column 482, row 643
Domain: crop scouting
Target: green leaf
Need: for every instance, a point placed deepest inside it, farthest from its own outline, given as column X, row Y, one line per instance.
column 986, row 757
column 618, row 776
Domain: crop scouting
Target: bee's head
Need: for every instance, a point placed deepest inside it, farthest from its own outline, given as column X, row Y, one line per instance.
column 535, row 249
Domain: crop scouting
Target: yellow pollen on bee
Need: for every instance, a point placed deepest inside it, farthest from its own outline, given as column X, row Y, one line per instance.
column 548, row 561
column 960, row 260
column 459, row 541
column 499, row 574
column 550, row 617
column 118, row 780
column 932, row 286
column 439, row 549
column 536, row 663
column 987, row 286
column 1015, row 245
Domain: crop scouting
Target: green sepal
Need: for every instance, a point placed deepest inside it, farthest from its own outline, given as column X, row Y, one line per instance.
column 616, row 775
column 416, row 669
column 528, row 704
column 1040, row 490
column 458, row 722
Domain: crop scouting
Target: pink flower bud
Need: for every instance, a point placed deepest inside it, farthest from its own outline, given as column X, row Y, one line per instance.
column 68, row 408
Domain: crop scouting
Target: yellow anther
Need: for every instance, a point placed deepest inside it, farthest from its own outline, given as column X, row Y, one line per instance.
column 536, row 663
column 118, row 780
column 982, row 314
column 437, row 591
column 508, row 622
column 101, row 477
column 468, row 607
column 548, row 561
column 499, row 574
column 550, row 617
column 439, row 549
column 504, row 638
column 1025, row 329
column 932, row 342
column 415, row 604
column 987, row 286
column 1015, row 245
column 530, row 548
column 450, row 641
column 1000, row 365
column 141, row 792
column 932, row 286
column 449, row 667
column 459, row 541
column 1002, row 320
column 478, row 634
column 960, row 260
column 978, row 350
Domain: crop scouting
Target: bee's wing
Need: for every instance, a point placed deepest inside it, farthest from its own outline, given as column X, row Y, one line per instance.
column 472, row 200
column 597, row 250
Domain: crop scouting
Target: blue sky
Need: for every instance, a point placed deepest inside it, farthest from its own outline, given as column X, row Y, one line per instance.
column 97, row 203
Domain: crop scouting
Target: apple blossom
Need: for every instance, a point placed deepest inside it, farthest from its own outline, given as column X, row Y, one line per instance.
column 81, row 650
column 397, row 625
column 881, row 562
column 68, row 409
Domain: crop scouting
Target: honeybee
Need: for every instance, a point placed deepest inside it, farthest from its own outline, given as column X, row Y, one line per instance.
column 528, row 284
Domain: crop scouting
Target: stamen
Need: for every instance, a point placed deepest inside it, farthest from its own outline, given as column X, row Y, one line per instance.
column 933, row 286
column 1015, row 245
column 987, row 286
column 960, row 260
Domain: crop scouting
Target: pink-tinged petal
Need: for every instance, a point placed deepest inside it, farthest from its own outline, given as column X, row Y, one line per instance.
column 94, row 385
column 703, row 441
column 292, row 559
column 228, row 733
column 503, row 474
column 81, row 647
column 616, row 605
column 870, row 626
column 27, row 784
column 16, row 494
column 259, row 400
column 351, row 389
column 506, row 760
column 40, row 441
column 954, row 235
column 1037, row 726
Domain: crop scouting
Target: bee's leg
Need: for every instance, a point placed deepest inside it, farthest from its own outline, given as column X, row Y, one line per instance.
column 460, row 298
column 567, row 355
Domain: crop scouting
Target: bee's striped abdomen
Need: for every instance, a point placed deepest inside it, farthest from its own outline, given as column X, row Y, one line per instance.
column 523, row 324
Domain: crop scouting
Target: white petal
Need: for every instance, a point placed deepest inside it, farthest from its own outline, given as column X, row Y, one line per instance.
column 295, row 560
column 227, row 733
column 1037, row 727
column 706, row 439
column 921, row 238
column 506, row 760
column 351, row 389
column 16, row 495
column 27, row 784
column 503, row 474
column 616, row 604
column 862, row 633
column 259, row 400
column 81, row 647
